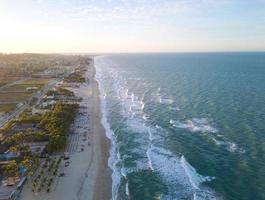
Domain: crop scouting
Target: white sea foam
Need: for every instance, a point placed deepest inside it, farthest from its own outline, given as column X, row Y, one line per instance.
column 174, row 170
column 180, row 177
column 166, row 100
column 149, row 149
column 194, row 178
column 157, row 126
column 183, row 180
column 156, row 96
column 127, row 189
column 114, row 158
column 195, row 125
column 178, row 124
column 175, row 108
column 229, row 146
column 159, row 98
column 123, row 172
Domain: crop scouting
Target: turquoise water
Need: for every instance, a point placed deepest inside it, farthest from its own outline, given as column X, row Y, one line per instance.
column 185, row 126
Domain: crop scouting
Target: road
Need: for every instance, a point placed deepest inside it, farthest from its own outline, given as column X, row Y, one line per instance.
column 26, row 105
column 39, row 96
column 13, row 83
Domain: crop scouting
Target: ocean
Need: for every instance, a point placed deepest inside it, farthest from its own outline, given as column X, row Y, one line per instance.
column 184, row 125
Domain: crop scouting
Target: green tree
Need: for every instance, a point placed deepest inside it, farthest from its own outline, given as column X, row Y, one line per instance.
column 31, row 162
column 11, row 169
column 57, row 122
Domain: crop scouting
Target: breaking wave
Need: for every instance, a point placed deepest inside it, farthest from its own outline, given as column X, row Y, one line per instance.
column 180, row 177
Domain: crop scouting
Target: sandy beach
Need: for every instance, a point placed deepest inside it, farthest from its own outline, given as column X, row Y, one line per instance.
column 88, row 176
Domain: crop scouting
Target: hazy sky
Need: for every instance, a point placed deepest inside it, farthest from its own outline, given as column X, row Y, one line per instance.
column 131, row 25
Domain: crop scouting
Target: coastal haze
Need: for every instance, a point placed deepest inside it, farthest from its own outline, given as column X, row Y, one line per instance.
column 132, row 100
column 89, row 26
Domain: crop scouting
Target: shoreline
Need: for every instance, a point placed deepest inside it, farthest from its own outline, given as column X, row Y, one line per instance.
column 88, row 177
column 103, row 186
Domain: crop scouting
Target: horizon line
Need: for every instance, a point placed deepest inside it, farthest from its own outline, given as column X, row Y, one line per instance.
column 133, row 52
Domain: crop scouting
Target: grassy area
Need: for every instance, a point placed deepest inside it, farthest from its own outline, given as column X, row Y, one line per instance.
column 33, row 81
column 6, row 80
column 2, row 83
column 14, row 97
column 6, row 108
column 21, row 87
column 61, row 91
column 17, row 93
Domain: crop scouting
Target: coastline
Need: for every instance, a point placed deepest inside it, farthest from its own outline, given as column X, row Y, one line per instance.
column 88, row 176
column 103, row 186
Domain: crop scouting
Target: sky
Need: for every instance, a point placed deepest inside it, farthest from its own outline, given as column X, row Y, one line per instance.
column 121, row 26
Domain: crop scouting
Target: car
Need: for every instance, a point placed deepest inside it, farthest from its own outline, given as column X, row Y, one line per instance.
column 67, row 164
column 66, row 156
column 61, row 174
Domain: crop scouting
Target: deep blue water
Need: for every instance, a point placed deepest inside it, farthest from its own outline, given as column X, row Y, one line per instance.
column 185, row 126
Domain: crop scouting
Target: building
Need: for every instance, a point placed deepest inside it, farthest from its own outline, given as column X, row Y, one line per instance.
column 51, row 97
column 48, row 104
column 31, row 89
